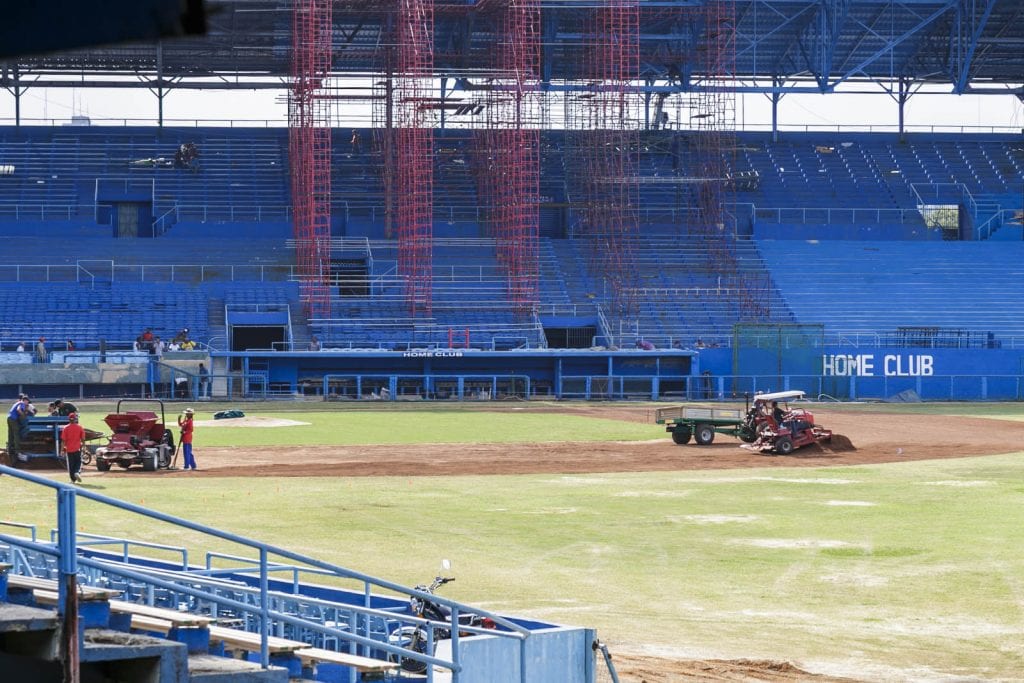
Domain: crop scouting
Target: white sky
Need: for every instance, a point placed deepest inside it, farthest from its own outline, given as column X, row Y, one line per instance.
column 265, row 107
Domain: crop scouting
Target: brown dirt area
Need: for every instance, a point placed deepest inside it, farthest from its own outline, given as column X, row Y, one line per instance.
column 868, row 439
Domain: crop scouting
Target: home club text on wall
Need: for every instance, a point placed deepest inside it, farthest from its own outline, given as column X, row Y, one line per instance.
column 868, row 365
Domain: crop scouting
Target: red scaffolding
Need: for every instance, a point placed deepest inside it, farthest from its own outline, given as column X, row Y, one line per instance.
column 711, row 153
column 606, row 122
column 510, row 146
column 412, row 153
column 309, row 137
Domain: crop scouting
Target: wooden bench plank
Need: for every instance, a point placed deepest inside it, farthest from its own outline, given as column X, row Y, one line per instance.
column 35, row 583
column 173, row 616
column 250, row 642
column 364, row 664
column 144, row 623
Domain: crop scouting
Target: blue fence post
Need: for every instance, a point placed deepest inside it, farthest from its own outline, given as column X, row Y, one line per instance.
column 66, row 541
column 264, row 611
column 67, row 591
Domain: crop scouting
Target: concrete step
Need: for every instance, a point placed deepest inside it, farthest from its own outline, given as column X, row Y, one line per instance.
column 29, row 643
column 133, row 657
column 214, row 669
column 20, row 618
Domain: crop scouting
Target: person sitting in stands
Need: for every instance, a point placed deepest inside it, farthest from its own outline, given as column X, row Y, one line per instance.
column 70, row 346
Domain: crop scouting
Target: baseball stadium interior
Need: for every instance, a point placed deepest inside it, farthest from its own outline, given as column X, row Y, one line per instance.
column 490, row 200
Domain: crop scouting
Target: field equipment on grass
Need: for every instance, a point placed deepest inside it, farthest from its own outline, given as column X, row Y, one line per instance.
column 40, row 441
column 416, row 638
column 754, row 425
column 137, row 438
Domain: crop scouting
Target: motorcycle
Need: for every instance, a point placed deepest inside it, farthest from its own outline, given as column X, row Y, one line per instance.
column 415, row 638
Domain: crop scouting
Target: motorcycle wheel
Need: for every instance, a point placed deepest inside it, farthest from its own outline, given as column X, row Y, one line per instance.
column 86, row 457
column 418, row 644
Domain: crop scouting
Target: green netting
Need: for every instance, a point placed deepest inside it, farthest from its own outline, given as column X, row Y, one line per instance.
column 763, row 353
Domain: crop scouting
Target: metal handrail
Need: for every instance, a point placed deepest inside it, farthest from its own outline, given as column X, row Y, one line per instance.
column 68, row 558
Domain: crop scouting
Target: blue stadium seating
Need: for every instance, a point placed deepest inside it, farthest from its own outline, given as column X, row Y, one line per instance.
column 227, row 237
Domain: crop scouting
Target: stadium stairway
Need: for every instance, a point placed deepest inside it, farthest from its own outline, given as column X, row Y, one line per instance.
column 116, row 641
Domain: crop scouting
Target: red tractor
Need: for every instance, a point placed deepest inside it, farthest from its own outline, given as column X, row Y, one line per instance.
column 137, row 438
column 783, row 432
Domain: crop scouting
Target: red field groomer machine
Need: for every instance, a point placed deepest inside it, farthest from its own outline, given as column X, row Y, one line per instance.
column 137, row 438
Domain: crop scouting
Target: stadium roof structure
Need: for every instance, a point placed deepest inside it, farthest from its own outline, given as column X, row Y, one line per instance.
column 967, row 46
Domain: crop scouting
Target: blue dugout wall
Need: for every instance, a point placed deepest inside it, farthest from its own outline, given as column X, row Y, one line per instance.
column 847, row 373
column 841, row 372
column 453, row 374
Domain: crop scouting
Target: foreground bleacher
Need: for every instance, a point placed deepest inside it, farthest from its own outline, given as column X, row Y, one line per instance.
column 276, row 616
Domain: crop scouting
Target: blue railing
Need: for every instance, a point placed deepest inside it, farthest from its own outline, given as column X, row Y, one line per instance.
column 66, row 552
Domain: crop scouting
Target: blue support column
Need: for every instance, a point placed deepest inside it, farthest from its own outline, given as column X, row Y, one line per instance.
column 264, row 611
column 67, row 591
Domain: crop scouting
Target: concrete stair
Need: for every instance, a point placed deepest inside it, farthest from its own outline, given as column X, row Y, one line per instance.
column 122, row 641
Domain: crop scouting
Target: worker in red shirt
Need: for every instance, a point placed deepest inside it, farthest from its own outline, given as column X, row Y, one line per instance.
column 185, row 422
column 71, row 438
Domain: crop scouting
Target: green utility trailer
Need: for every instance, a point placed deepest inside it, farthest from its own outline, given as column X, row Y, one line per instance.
column 701, row 422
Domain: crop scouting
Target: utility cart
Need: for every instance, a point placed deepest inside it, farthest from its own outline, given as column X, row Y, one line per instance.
column 702, row 422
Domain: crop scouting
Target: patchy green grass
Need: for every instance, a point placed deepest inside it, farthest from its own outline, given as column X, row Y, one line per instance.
column 902, row 571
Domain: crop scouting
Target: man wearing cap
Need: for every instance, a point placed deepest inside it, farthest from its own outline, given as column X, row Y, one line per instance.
column 15, row 416
column 71, row 437
column 185, row 422
column 62, row 408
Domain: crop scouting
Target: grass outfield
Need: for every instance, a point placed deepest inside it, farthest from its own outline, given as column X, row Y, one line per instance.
column 907, row 571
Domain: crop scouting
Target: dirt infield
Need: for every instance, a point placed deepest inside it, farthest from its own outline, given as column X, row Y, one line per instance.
column 862, row 439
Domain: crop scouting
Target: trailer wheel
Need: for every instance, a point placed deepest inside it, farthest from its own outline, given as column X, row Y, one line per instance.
column 784, row 445
column 681, row 435
column 704, row 435
column 103, row 465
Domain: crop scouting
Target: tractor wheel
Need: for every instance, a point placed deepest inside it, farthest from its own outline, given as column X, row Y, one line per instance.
column 149, row 462
column 681, row 435
column 784, row 445
column 747, row 435
column 103, row 465
column 704, row 435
